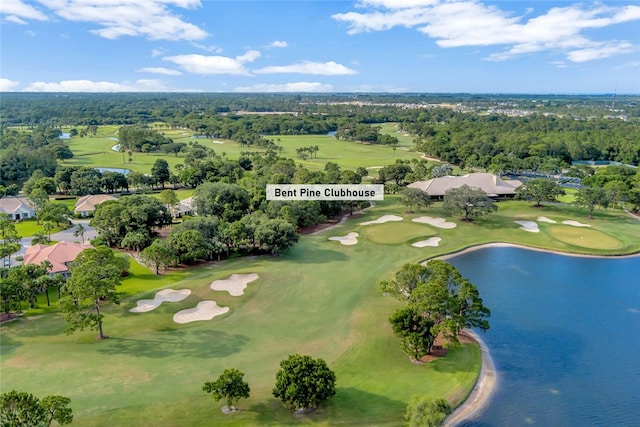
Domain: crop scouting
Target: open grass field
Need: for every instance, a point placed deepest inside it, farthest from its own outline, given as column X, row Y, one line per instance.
column 95, row 151
column 318, row 298
column 30, row 227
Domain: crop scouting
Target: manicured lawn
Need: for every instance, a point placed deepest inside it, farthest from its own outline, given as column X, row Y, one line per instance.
column 30, row 227
column 319, row 298
column 95, row 151
column 391, row 233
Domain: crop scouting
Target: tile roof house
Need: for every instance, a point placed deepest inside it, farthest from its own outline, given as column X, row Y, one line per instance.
column 59, row 255
column 87, row 204
column 17, row 207
column 488, row 182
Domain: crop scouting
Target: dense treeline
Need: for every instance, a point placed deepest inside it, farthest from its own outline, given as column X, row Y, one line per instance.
column 475, row 141
column 82, row 109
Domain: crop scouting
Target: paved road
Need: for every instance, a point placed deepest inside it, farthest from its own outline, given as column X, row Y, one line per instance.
column 89, row 233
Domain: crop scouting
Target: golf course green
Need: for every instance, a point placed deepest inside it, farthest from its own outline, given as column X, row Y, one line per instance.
column 319, row 298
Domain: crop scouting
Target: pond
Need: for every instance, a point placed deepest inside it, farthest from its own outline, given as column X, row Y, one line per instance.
column 119, row 170
column 564, row 337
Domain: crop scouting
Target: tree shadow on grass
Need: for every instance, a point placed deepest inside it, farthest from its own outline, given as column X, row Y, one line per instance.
column 348, row 407
column 200, row 344
column 8, row 345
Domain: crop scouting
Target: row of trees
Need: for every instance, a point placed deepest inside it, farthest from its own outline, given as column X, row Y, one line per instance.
column 302, row 383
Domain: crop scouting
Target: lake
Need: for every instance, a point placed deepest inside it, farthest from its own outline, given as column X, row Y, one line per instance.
column 564, row 337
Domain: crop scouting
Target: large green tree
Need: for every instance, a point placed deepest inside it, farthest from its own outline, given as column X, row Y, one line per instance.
column 95, row 275
column 21, row 409
column 414, row 197
column 160, row 171
column 539, row 190
column 158, row 254
column 303, row 382
column 470, row 201
column 437, row 294
column 426, row 411
column 414, row 329
column 590, row 197
column 275, row 235
column 229, row 386
column 450, row 301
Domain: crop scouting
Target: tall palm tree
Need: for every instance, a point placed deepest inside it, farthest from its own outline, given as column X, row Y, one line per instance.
column 79, row 231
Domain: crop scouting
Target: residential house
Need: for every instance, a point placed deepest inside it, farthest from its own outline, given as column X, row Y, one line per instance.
column 185, row 207
column 59, row 255
column 86, row 205
column 18, row 208
column 488, row 182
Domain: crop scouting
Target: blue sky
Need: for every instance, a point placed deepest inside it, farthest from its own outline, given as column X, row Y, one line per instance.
column 320, row 46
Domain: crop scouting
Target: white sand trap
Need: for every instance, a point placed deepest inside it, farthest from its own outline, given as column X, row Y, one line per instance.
column 234, row 284
column 530, row 226
column 575, row 223
column 545, row 219
column 348, row 240
column 432, row 241
column 383, row 219
column 218, row 142
column 436, row 222
column 205, row 310
column 165, row 295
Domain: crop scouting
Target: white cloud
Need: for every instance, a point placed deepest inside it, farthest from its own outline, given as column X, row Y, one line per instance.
column 143, row 85
column 314, row 68
column 17, row 9
column 600, row 51
column 287, row 87
column 473, row 23
column 7, row 85
column 278, row 43
column 396, row 4
column 156, row 52
column 207, row 65
column 210, row 48
column 160, row 70
column 15, row 20
column 148, row 18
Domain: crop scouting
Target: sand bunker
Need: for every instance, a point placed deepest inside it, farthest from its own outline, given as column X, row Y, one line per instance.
column 168, row 295
column 436, row 222
column 383, row 219
column 545, row 219
column 432, row 241
column 218, row 142
column 348, row 240
column 529, row 226
column 205, row 310
column 575, row 223
column 234, row 284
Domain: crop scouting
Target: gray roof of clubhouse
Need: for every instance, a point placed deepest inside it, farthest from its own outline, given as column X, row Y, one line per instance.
column 490, row 183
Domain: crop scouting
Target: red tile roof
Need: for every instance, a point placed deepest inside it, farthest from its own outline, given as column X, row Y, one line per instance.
column 59, row 255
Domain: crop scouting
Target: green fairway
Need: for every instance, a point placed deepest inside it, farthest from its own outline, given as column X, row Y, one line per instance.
column 319, row 298
column 391, row 233
column 151, row 369
column 96, row 151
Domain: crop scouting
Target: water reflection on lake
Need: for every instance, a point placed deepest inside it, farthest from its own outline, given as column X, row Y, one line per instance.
column 564, row 337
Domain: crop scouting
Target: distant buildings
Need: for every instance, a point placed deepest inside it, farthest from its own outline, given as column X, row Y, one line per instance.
column 489, row 183
column 17, row 208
